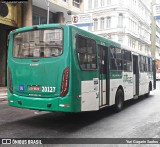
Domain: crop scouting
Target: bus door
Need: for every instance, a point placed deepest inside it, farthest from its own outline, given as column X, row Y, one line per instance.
column 103, row 75
column 135, row 76
column 154, row 74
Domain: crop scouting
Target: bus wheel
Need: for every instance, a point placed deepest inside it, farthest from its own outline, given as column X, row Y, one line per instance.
column 149, row 89
column 119, row 100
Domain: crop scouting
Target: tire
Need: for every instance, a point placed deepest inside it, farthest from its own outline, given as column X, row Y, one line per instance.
column 149, row 89
column 119, row 100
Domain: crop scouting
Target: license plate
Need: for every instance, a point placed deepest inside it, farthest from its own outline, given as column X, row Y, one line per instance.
column 34, row 88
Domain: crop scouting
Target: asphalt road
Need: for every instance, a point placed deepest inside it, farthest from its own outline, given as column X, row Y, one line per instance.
column 139, row 119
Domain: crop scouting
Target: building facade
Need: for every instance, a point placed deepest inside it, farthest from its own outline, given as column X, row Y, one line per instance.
column 156, row 41
column 156, row 35
column 125, row 21
column 34, row 12
column 10, row 18
column 60, row 11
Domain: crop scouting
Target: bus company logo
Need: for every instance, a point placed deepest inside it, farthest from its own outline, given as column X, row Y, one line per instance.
column 128, row 79
column 6, row 141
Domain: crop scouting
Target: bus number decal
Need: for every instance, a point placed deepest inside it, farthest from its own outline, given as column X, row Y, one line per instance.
column 48, row 89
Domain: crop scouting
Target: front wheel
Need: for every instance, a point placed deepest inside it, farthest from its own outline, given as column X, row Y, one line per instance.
column 119, row 100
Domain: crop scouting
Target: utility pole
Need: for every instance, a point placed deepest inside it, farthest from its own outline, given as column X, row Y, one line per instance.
column 47, row 3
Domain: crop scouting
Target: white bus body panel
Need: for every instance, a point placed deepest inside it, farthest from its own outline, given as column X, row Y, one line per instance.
column 90, row 95
column 144, row 83
column 114, row 83
column 128, row 85
column 102, row 92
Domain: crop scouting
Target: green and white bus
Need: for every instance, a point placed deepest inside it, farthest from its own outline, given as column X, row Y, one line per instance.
column 56, row 67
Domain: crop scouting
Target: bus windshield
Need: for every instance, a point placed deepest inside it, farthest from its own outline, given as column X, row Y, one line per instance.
column 38, row 44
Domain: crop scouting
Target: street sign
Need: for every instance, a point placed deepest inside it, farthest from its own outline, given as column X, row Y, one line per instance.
column 82, row 20
column 74, row 19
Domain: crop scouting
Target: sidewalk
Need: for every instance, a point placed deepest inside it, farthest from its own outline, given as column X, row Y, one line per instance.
column 3, row 94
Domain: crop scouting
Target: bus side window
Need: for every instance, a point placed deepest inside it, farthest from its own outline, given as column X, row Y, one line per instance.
column 115, row 58
column 127, row 61
column 141, row 63
column 113, row 64
column 150, row 64
column 86, row 53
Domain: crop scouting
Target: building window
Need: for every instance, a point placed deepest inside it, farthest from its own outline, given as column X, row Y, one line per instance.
column 95, row 24
column 108, row 22
column 133, row 26
column 40, row 16
column 157, row 40
column 39, row 19
column 120, row 20
column 131, row 43
column 120, row 39
column 102, row 3
column 108, row 2
column 133, row 4
column 76, row 3
column 139, row 46
column 95, row 3
column 139, row 28
column 89, row 4
column 147, row 49
column 102, row 23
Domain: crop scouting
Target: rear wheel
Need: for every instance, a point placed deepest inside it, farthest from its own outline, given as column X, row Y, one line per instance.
column 119, row 100
column 149, row 89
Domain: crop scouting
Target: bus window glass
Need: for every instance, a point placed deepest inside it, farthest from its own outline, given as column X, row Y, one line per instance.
column 127, row 61
column 115, row 58
column 127, row 55
column 119, row 64
column 143, row 64
column 113, row 65
column 38, row 43
column 146, row 64
column 144, row 58
column 112, row 52
column 125, row 65
column 86, row 51
column 118, row 53
column 150, row 64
